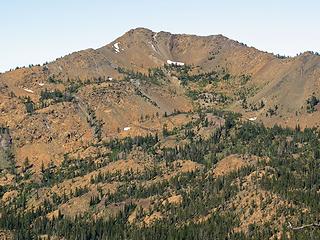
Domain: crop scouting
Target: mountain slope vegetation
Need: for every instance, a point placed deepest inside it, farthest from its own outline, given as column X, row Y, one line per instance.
column 161, row 136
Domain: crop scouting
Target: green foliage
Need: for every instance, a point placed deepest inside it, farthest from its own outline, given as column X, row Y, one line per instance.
column 56, row 96
column 226, row 77
column 291, row 172
column 29, row 104
column 193, row 94
column 155, row 75
column 53, row 80
column 204, row 78
column 272, row 111
column 311, row 103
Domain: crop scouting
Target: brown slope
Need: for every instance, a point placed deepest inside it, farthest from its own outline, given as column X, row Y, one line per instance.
column 140, row 49
column 288, row 84
column 294, row 81
column 283, row 82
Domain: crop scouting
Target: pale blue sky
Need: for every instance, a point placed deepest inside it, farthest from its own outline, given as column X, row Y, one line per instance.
column 35, row 31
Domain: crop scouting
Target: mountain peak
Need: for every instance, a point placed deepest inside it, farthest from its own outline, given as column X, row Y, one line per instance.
column 138, row 31
column 112, row 140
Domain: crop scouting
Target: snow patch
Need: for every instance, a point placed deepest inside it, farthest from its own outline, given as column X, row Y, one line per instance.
column 253, row 119
column 126, row 128
column 155, row 37
column 117, row 48
column 28, row 90
column 110, row 78
column 175, row 63
column 153, row 47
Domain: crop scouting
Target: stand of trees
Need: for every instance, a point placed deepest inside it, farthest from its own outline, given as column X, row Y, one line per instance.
column 292, row 172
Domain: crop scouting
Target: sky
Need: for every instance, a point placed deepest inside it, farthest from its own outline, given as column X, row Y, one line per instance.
column 36, row 31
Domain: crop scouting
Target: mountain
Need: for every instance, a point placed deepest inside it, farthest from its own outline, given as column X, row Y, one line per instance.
column 159, row 131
